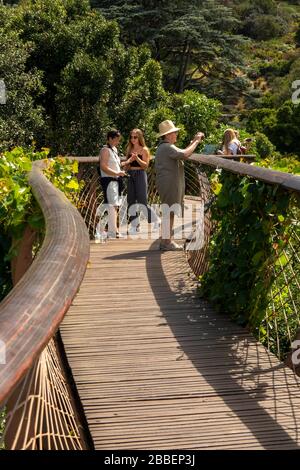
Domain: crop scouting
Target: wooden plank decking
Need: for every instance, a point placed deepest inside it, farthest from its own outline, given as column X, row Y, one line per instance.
column 156, row 368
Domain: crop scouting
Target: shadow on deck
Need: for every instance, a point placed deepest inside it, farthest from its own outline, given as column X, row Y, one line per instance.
column 156, row 368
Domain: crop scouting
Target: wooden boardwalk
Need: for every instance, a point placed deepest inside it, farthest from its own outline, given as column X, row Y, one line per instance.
column 156, row 368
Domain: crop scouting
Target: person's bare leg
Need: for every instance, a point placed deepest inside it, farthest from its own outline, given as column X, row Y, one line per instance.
column 171, row 225
column 112, row 219
column 167, row 228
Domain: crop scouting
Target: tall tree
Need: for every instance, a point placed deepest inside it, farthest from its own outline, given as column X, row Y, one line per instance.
column 195, row 40
column 91, row 80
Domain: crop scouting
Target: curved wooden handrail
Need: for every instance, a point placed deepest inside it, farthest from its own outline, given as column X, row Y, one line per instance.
column 31, row 313
column 286, row 180
column 83, row 159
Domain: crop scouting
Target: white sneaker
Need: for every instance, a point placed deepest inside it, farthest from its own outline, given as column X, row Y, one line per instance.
column 114, row 235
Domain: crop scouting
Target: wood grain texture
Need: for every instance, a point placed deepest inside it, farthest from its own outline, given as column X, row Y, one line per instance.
column 157, row 368
column 31, row 313
column 285, row 180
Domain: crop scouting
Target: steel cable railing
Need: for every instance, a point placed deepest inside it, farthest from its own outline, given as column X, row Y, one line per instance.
column 40, row 412
column 280, row 326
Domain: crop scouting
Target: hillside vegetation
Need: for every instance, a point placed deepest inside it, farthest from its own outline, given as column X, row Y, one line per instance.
column 74, row 68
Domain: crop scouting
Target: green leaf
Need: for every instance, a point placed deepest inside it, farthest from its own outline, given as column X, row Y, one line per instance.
column 36, row 221
column 282, row 260
column 257, row 257
column 75, row 166
column 223, row 200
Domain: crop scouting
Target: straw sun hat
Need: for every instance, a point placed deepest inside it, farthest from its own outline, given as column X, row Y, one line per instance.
column 166, row 127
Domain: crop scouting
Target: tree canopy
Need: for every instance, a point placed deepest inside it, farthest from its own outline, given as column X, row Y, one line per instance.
column 74, row 68
column 83, row 79
column 195, row 41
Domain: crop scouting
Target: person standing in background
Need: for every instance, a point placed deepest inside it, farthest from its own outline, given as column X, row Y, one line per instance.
column 111, row 179
column 138, row 158
column 231, row 144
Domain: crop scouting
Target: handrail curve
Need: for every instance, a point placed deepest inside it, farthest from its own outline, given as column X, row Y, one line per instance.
column 286, row 180
column 31, row 313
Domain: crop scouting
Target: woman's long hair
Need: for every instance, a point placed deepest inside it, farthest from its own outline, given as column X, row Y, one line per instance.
column 229, row 136
column 141, row 140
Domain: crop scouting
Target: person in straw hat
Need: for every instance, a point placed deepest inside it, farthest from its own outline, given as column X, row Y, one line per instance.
column 169, row 168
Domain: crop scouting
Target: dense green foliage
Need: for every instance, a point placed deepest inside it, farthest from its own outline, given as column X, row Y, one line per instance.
column 253, row 224
column 18, row 207
column 261, row 19
column 81, row 73
column 281, row 125
column 195, row 41
column 90, row 80
column 21, row 118
column 289, row 164
column 190, row 110
column 72, row 72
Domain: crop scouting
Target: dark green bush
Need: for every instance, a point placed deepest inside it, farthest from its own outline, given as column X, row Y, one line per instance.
column 251, row 219
column 264, row 27
column 264, row 146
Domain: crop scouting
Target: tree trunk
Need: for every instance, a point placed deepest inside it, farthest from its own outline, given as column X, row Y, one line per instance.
column 183, row 68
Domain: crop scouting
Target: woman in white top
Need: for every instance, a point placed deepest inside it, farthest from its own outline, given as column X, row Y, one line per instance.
column 111, row 173
column 231, row 144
